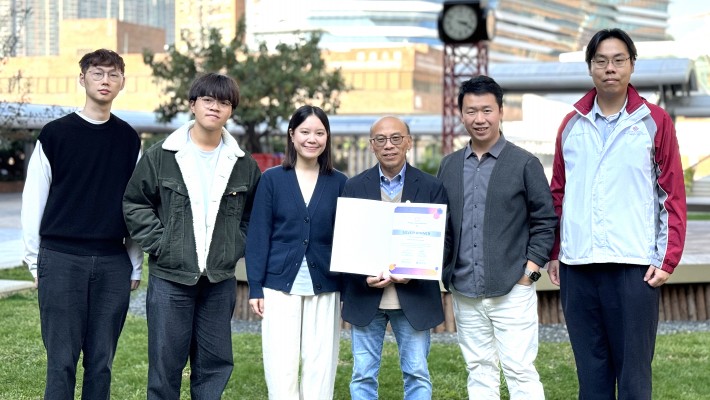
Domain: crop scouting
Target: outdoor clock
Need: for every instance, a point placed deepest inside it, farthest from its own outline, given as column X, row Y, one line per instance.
column 459, row 21
column 464, row 22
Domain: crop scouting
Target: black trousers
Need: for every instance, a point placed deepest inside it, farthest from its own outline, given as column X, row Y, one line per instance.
column 612, row 319
column 189, row 321
column 83, row 301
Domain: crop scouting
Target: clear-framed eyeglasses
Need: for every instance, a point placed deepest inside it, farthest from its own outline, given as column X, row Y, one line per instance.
column 381, row 140
column 211, row 101
column 618, row 62
column 98, row 75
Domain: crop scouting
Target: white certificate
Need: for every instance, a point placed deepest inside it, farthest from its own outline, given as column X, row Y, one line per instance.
column 373, row 237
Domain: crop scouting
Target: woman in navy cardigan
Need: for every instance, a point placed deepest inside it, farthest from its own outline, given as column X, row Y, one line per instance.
column 288, row 263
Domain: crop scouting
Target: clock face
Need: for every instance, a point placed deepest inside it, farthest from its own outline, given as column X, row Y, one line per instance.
column 459, row 22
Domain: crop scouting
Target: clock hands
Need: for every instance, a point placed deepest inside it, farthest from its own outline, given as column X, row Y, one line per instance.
column 465, row 22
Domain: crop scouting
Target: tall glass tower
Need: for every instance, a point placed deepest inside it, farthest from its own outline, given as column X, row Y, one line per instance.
column 39, row 32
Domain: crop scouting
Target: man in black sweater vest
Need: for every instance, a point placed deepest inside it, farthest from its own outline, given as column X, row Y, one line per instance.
column 76, row 241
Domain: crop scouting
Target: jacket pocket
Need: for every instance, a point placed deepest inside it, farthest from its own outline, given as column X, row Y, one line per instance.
column 175, row 239
column 234, row 200
column 228, row 234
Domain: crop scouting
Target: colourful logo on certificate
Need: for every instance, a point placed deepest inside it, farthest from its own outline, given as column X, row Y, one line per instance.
column 413, row 271
column 436, row 212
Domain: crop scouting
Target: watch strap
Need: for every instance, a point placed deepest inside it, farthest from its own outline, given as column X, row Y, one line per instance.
column 533, row 275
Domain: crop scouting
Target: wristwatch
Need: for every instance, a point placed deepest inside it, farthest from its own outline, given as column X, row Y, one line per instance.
column 534, row 276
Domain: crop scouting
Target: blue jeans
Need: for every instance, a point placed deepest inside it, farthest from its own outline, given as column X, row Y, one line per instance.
column 413, row 348
column 192, row 321
column 83, row 301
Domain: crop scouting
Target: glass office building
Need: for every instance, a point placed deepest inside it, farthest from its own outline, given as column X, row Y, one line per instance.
column 525, row 30
column 39, row 32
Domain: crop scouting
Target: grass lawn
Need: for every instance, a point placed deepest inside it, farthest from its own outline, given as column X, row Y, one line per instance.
column 17, row 273
column 681, row 365
column 698, row 216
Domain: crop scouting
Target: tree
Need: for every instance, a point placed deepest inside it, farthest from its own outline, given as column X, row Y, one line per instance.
column 272, row 83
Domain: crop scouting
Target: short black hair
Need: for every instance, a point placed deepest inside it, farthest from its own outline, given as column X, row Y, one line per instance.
column 605, row 34
column 325, row 159
column 102, row 57
column 481, row 85
column 218, row 86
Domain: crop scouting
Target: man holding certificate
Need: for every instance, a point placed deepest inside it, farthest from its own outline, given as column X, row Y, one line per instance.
column 411, row 306
column 503, row 227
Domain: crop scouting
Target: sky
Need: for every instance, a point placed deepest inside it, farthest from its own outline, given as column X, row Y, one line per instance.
column 689, row 17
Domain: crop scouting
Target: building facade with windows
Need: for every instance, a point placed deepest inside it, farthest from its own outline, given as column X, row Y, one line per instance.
column 38, row 32
column 388, row 50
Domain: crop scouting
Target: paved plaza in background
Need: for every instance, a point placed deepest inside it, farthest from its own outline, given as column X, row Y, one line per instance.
column 11, row 247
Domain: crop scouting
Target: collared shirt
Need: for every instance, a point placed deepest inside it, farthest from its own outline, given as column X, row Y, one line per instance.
column 468, row 276
column 392, row 186
column 391, row 190
column 606, row 123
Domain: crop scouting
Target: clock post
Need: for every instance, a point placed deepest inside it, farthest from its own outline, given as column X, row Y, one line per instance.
column 465, row 28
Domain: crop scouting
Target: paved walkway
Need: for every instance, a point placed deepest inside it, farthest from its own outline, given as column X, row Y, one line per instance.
column 696, row 255
column 10, row 233
column 8, row 287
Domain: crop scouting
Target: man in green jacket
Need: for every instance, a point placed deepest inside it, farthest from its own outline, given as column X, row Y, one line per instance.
column 188, row 205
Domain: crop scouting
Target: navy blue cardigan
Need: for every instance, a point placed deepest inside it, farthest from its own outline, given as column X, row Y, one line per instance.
column 282, row 230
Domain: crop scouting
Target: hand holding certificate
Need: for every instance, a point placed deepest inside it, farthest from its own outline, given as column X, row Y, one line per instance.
column 373, row 237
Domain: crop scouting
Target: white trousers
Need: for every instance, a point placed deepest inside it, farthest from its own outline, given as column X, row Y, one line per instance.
column 300, row 331
column 500, row 330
